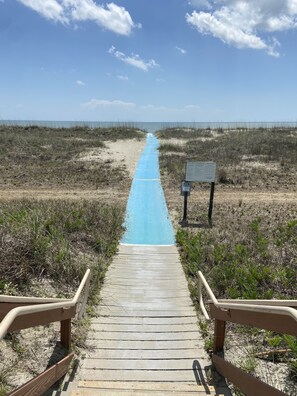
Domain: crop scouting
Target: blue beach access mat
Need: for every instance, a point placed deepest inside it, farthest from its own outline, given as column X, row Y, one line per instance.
column 147, row 219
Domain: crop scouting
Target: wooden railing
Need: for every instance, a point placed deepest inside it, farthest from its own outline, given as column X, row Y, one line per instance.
column 17, row 313
column 275, row 315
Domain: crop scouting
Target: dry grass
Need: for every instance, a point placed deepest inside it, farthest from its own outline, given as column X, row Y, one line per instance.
column 250, row 252
column 46, row 157
column 249, row 159
column 46, row 245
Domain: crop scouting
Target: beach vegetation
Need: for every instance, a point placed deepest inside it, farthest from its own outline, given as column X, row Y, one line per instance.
column 34, row 156
column 251, row 158
column 250, row 250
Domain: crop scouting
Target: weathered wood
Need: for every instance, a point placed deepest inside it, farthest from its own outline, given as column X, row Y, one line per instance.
column 145, row 386
column 140, row 345
column 268, row 321
column 142, row 375
column 219, row 335
column 155, row 328
column 249, row 385
column 177, row 320
column 5, row 307
column 115, row 311
column 162, row 354
column 272, row 352
column 65, row 331
column 42, row 318
column 144, row 364
column 162, row 305
column 148, row 336
column 121, row 392
column 146, row 330
column 38, row 385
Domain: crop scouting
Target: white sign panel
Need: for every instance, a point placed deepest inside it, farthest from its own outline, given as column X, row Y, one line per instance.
column 200, row 171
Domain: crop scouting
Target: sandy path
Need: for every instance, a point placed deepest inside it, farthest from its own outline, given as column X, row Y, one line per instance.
column 43, row 194
column 121, row 152
column 173, row 197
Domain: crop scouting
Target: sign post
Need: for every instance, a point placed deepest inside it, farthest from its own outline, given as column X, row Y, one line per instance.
column 203, row 172
column 185, row 191
column 212, row 188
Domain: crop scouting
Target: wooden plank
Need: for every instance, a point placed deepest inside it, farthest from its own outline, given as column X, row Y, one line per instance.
column 141, row 375
column 268, row 321
column 65, row 332
column 161, row 294
column 146, row 289
column 219, row 335
column 116, row 392
column 158, row 284
column 145, row 386
column 41, row 383
column 42, row 318
column 153, row 344
column 146, row 331
column 143, row 364
column 148, row 336
column 177, row 320
column 114, row 311
column 150, row 306
column 117, row 298
column 156, row 328
column 249, row 385
column 184, row 353
column 5, row 307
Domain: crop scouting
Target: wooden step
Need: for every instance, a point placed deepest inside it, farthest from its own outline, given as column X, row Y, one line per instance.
column 88, row 388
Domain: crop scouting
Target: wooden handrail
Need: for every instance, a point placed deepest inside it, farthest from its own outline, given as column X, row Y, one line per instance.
column 22, row 311
column 276, row 315
column 257, row 305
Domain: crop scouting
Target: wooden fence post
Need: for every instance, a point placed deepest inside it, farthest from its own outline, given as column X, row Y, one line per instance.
column 219, row 335
column 65, row 332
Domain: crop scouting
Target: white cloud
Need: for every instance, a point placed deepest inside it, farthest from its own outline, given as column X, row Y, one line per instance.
column 200, row 4
column 50, row 9
column 79, row 82
column 246, row 23
column 133, row 60
column 193, row 107
column 111, row 17
column 181, row 50
column 95, row 103
column 123, row 78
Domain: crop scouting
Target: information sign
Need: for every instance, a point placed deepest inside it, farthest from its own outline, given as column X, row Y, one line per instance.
column 200, row 171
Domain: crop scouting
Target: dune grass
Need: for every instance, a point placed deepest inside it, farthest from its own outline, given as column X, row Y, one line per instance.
column 250, row 252
column 45, row 249
column 56, row 241
column 36, row 156
column 253, row 158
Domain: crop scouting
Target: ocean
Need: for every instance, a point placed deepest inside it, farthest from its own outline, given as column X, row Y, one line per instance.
column 150, row 127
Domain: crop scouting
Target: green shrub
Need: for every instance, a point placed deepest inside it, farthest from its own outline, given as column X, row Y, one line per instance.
column 57, row 240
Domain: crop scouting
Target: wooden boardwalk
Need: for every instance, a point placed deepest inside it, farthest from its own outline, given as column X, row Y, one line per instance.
column 145, row 339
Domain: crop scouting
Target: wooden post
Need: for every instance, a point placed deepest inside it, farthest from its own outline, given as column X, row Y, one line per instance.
column 219, row 335
column 212, row 188
column 185, row 220
column 65, row 332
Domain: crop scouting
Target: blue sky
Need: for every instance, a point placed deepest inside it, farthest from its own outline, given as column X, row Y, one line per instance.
column 156, row 60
